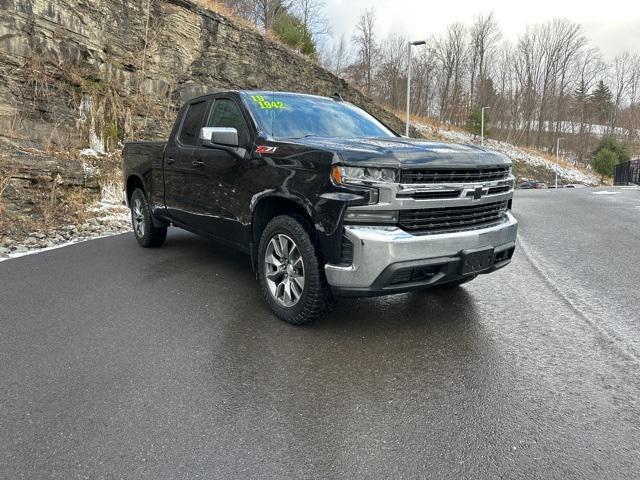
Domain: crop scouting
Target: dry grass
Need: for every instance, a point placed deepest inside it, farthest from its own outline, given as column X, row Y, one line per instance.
column 222, row 9
column 54, row 205
column 16, row 125
column 435, row 124
column 5, row 178
column 49, row 205
column 551, row 158
column 74, row 204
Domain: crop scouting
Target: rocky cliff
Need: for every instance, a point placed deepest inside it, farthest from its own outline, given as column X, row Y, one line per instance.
column 88, row 74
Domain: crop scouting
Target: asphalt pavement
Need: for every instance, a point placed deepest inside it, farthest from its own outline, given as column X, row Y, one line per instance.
column 123, row 362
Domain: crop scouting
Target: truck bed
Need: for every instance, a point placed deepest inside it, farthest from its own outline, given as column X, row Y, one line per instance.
column 144, row 160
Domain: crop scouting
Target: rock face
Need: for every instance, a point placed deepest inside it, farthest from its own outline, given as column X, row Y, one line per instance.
column 90, row 73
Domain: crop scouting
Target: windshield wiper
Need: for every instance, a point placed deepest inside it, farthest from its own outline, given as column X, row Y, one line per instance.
column 305, row 136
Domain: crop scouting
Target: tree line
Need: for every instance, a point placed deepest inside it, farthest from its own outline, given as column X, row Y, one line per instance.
column 550, row 83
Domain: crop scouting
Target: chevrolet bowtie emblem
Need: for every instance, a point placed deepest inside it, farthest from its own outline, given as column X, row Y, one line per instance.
column 478, row 193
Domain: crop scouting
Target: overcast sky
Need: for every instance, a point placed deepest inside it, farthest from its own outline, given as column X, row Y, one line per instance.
column 612, row 25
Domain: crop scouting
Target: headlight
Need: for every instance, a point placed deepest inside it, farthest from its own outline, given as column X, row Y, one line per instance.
column 342, row 174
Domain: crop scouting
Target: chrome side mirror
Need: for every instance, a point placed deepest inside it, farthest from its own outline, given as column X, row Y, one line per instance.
column 213, row 136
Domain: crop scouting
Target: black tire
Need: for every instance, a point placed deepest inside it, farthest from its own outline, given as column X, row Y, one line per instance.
column 316, row 298
column 146, row 234
column 457, row 283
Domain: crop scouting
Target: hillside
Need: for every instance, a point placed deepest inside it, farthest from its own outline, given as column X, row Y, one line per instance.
column 86, row 76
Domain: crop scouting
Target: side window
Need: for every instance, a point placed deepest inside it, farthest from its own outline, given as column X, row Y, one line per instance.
column 192, row 123
column 225, row 113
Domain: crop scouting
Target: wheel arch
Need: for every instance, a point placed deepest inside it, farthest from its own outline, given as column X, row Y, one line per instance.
column 134, row 181
column 269, row 207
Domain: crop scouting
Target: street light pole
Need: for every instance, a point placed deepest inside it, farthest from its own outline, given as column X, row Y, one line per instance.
column 409, row 45
column 557, row 158
column 482, row 125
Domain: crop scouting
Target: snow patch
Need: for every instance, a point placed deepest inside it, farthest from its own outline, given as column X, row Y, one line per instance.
column 88, row 152
column 86, row 117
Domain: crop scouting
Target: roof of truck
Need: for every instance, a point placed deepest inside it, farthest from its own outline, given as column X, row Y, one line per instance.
column 336, row 96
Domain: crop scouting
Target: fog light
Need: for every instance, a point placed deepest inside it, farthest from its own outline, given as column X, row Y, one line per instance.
column 364, row 216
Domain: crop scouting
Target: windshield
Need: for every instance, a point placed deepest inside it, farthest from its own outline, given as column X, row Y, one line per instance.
column 283, row 115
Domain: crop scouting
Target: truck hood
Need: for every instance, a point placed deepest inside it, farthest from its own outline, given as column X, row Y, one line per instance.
column 400, row 152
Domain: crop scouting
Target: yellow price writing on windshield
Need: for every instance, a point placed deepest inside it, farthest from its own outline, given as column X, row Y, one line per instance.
column 266, row 104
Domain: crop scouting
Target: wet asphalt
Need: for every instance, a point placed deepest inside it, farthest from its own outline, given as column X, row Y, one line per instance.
column 121, row 362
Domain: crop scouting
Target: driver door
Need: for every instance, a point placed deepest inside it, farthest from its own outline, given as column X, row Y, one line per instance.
column 221, row 171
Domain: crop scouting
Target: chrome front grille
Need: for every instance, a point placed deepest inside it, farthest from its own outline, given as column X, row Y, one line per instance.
column 456, row 175
column 452, row 219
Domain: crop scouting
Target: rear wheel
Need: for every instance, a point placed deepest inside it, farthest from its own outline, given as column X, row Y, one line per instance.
column 146, row 234
column 290, row 272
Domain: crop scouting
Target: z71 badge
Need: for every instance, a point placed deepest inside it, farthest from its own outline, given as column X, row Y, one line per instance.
column 264, row 149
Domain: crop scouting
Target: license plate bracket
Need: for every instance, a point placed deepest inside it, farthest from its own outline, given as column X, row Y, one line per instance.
column 473, row 261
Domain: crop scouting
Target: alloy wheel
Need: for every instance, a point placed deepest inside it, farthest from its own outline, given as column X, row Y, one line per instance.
column 284, row 270
column 138, row 217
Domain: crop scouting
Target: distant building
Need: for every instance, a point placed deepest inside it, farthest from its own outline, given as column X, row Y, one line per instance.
column 627, row 173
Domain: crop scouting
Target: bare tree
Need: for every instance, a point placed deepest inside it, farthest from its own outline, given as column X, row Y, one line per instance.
column 484, row 37
column 365, row 40
column 423, row 81
column 261, row 13
column 622, row 76
column 246, row 9
column 339, row 57
column 312, row 16
column 450, row 51
column 391, row 76
column 589, row 68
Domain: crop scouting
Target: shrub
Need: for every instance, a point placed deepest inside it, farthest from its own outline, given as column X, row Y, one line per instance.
column 604, row 162
column 611, row 144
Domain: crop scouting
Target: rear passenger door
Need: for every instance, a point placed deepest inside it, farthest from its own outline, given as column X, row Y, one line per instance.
column 220, row 202
column 180, row 173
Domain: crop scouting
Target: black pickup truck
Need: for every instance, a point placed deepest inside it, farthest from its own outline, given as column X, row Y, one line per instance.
column 326, row 200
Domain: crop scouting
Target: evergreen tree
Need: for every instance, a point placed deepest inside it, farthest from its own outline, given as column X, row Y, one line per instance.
column 474, row 122
column 581, row 101
column 581, row 94
column 612, row 145
column 290, row 30
column 602, row 102
column 604, row 162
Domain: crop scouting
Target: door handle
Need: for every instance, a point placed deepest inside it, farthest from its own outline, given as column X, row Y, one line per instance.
column 197, row 163
column 171, row 161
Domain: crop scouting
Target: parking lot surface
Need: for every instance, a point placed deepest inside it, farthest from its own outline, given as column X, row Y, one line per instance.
column 121, row 362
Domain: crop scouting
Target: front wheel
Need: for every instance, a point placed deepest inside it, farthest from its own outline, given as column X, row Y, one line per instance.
column 146, row 234
column 290, row 272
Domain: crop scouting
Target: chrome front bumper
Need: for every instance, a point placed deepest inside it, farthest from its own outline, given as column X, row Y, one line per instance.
column 377, row 249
